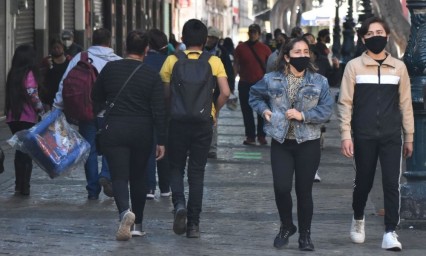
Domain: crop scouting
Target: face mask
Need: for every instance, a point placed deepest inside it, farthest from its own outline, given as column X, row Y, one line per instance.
column 300, row 63
column 68, row 43
column 327, row 39
column 376, row 44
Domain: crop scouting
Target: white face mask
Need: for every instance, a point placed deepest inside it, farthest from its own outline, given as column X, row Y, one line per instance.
column 68, row 43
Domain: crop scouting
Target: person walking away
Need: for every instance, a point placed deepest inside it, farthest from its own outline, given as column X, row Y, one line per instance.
column 100, row 53
column 23, row 108
column 139, row 110
column 191, row 121
column 249, row 62
column 294, row 101
column 52, row 69
column 212, row 46
column 155, row 58
column 380, row 116
column 71, row 48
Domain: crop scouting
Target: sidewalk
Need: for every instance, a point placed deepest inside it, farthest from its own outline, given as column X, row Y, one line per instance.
column 239, row 213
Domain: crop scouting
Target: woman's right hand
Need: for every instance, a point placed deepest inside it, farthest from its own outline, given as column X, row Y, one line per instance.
column 267, row 115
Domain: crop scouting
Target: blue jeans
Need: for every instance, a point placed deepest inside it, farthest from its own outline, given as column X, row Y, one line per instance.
column 88, row 131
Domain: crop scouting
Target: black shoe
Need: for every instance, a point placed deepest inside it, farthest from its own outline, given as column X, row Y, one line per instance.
column 305, row 242
column 192, row 231
column 179, row 223
column 106, row 186
column 282, row 238
column 92, row 197
column 212, row 155
column 1, row 161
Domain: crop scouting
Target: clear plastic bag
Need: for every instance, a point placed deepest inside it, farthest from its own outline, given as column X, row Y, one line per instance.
column 53, row 144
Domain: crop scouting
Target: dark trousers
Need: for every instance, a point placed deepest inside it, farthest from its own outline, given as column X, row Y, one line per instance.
column 302, row 160
column 367, row 152
column 14, row 128
column 250, row 127
column 192, row 141
column 127, row 144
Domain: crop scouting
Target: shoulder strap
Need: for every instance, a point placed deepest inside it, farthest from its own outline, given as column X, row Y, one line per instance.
column 262, row 65
column 205, row 56
column 84, row 56
column 111, row 105
column 181, row 55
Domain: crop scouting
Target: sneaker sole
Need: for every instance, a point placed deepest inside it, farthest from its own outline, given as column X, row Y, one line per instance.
column 150, row 196
column 138, row 233
column 123, row 232
column 106, row 187
column 179, row 224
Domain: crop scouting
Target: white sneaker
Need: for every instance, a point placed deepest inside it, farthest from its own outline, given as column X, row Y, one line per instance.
column 136, row 230
column 390, row 242
column 166, row 194
column 317, row 177
column 123, row 232
column 358, row 231
column 150, row 195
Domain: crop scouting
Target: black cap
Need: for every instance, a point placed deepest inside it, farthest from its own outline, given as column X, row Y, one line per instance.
column 67, row 35
column 254, row 27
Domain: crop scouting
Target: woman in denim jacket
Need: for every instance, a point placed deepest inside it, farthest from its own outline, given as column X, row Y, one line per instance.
column 294, row 101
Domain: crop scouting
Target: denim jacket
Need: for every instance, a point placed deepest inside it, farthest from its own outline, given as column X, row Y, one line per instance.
column 313, row 100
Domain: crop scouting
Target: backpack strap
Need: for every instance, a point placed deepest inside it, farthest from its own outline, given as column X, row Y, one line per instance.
column 180, row 55
column 84, row 56
column 205, row 56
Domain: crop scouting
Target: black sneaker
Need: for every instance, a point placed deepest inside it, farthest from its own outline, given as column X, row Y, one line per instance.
column 282, row 237
column 192, row 231
column 305, row 242
column 179, row 223
column 1, row 161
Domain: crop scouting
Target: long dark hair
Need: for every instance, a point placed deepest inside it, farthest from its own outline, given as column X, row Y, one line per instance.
column 23, row 61
column 285, row 50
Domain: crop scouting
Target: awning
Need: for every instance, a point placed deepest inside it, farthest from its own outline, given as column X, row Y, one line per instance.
column 263, row 15
column 317, row 17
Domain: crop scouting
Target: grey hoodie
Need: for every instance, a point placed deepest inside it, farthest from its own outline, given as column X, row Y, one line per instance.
column 100, row 56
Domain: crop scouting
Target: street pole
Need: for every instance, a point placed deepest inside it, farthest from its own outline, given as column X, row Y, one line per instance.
column 336, row 31
column 348, row 35
column 413, row 192
column 365, row 14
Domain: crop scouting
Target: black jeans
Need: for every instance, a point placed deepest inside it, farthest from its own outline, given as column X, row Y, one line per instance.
column 250, row 127
column 367, row 152
column 127, row 144
column 189, row 140
column 302, row 160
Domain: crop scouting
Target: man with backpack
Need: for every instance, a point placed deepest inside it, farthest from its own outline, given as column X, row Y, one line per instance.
column 190, row 78
column 98, row 54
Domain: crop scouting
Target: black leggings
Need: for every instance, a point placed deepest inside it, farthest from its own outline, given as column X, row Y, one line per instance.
column 302, row 160
column 15, row 127
column 127, row 144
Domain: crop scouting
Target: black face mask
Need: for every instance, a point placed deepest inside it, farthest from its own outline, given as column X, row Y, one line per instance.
column 300, row 63
column 376, row 44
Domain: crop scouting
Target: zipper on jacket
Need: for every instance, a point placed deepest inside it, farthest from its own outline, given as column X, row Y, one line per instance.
column 378, row 100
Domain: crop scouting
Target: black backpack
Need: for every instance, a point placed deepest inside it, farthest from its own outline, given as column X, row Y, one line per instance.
column 192, row 86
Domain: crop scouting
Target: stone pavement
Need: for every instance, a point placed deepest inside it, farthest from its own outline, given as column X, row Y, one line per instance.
column 239, row 213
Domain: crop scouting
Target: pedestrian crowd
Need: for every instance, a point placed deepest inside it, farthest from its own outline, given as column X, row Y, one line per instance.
column 154, row 114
